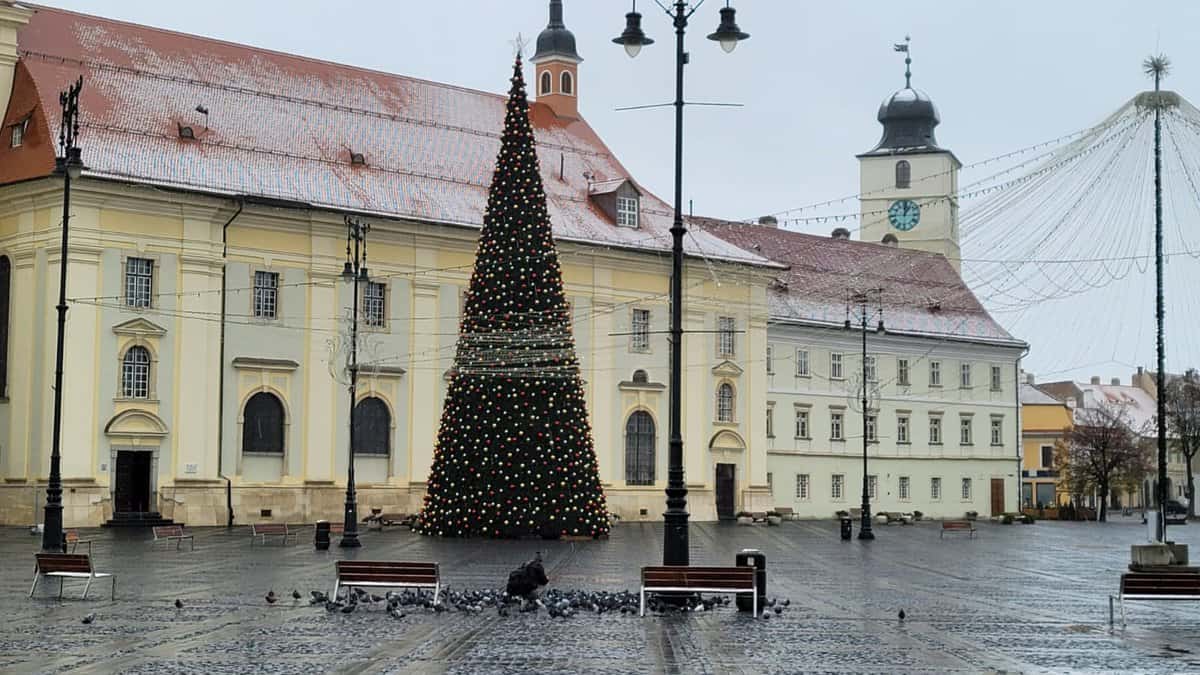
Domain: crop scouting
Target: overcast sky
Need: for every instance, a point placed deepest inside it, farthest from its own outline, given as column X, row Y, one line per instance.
column 1004, row 74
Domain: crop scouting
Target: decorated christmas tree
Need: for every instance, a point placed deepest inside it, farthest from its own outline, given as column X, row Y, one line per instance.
column 514, row 453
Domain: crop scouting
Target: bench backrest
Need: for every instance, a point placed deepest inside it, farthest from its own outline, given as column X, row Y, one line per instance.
column 64, row 562
column 269, row 528
column 387, row 572
column 1160, row 583
column 337, row 527
column 956, row 525
column 698, row 577
column 783, row 510
column 168, row 531
column 72, row 536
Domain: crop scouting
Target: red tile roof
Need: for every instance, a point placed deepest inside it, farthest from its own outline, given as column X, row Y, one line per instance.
column 283, row 126
column 921, row 292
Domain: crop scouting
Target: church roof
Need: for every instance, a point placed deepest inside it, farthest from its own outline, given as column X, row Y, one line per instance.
column 921, row 293
column 283, row 127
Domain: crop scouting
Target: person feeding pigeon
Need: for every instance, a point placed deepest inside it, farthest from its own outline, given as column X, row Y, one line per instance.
column 525, row 581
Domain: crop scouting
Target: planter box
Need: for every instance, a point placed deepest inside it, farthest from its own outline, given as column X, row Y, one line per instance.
column 745, row 520
column 774, row 520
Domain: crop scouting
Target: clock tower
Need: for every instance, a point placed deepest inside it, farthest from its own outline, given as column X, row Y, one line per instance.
column 909, row 184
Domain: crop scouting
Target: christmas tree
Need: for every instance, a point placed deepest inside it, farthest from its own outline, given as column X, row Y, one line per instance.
column 514, row 453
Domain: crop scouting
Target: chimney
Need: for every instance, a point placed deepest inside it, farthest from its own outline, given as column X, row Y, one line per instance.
column 1116, row 382
column 556, row 66
column 841, row 233
column 1095, row 379
column 768, row 221
column 12, row 18
column 1029, row 378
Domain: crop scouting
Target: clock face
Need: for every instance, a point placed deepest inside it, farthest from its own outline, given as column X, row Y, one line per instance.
column 904, row 214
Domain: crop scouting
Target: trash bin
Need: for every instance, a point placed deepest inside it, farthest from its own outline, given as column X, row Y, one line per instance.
column 847, row 527
column 321, row 538
column 755, row 557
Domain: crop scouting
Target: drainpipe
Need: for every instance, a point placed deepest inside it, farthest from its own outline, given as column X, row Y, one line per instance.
column 221, row 372
column 1020, row 436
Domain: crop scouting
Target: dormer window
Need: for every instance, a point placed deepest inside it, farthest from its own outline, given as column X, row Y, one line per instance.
column 566, row 84
column 18, row 133
column 546, row 80
column 627, row 211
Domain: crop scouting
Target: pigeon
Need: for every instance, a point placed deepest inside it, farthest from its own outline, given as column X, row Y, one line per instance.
column 332, row 606
column 178, row 603
column 527, row 579
column 786, row 602
column 376, row 598
column 270, row 597
column 349, row 608
column 778, row 609
column 89, row 618
column 901, row 615
column 318, row 597
column 295, row 594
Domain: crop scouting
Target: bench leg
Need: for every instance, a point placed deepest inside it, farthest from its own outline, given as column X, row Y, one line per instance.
column 86, row 586
column 178, row 543
column 37, row 576
column 1110, row 610
column 336, row 586
column 1121, row 601
column 192, row 542
column 114, row 588
column 754, row 599
column 437, row 591
column 642, row 604
column 60, row 587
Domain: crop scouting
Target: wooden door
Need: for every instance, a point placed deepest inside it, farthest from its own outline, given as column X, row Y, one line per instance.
column 726, row 484
column 997, row 496
column 132, row 494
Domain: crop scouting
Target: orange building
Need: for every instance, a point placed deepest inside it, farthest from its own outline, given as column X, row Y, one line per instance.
column 1044, row 421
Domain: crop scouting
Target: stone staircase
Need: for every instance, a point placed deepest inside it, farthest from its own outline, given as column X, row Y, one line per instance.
column 138, row 519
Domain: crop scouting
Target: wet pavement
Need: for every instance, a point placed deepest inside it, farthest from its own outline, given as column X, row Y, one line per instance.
column 1015, row 599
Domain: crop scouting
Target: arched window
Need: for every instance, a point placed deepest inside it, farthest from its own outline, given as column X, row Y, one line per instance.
column 546, row 80
column 640, row 377
column 903, row 174
column 262, row 424
column 639, row 449
column 372, row 427
column 725, row 403
column 5, row 288
column 566, row 84
column 135, row 373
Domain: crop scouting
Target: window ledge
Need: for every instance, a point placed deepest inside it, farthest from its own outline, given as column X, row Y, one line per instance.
column 135, row 399
column 903, row 442
column 837, row 440
column 260, row 453
column 802, row 438
column 726, row 424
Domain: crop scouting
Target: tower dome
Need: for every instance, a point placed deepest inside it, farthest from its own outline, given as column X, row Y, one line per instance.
column 908, row 118
column 556, row 40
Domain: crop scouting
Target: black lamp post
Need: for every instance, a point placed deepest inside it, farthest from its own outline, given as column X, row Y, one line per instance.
column 675, row 544
column 865, row 315
column 355, row 270
column 69, row 164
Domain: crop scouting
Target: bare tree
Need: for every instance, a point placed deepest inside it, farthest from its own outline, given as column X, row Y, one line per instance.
column 1183, row 420
column 1102, row 451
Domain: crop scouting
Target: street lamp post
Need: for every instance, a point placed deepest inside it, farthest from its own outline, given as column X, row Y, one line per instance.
column 675, row 544
column 69, row 164
column 865, row 531
column 355, row 270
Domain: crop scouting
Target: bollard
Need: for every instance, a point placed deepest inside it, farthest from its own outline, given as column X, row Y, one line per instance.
column 321, row 537
column 750, row 556
column 847, row 528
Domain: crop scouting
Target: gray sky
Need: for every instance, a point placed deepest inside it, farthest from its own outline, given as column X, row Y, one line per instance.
column 1004, row 75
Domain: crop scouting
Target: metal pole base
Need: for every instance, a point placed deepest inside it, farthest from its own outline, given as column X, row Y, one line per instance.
column 350, row 540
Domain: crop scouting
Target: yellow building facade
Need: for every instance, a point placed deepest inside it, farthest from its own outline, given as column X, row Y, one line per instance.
column 1045, row 422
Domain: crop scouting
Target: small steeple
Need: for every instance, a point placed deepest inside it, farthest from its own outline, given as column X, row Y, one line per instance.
column 557, row 65
column 907, row 60
column 556, row 40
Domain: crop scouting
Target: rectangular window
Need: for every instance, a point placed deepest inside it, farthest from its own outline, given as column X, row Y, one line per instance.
column 835, row 426
column 802, row 363
column 902, row 429
column 966, row 489
column 770, row 360
column 770, row 421
column 139, row 282
column 964, row 431
column 872, row 435
column 801, row 424
column 902, row 372
column 935, row 373
column 873, row 486
column 639, row 340
column 869, row 368
column 726, row 330
column 374, row 302
column 770, row 483
column 835, row 366
column 627, row 212
column 802, row 486
column 266, row 294
column 997, row 431
column 935, row 431
column 964, row 376
column 18, row 135
column 935, row 488
column 995, row 378
column 1047, row 456
column 836, row 485
column 904, row 488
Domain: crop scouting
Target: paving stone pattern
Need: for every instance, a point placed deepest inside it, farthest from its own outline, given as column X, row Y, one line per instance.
column 1016, row 599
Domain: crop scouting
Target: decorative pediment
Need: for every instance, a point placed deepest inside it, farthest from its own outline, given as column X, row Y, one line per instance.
column 727, row 369
column 632, row 385
column 256, row 363
column 380, row 371
column 139, row 327
column 726, row 440
column 136, row 423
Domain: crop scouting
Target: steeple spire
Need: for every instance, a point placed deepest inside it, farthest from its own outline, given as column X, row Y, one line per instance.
column 556, row 16
column 907, row 60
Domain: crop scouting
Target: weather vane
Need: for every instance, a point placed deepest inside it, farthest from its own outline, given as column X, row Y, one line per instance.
column 518, row 45
column 907, row 59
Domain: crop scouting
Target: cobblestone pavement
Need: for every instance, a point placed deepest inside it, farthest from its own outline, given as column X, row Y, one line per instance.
column 1016, row 599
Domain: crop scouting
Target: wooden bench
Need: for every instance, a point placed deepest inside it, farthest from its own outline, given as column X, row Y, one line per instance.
column 72, row 538
column 337, row 528
column 68, row 566
column 173, row 532
column 730, row 580
column 264, row 530
column 786, row 512
column 759, row 516
column 379, row 574
column 1155, row 586
column 396, row 519
column 953, row 526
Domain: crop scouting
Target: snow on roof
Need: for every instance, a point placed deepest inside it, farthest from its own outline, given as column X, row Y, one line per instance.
column 1139, row 405
column 921, row 293
column 1031, row 395
column 283, row 127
